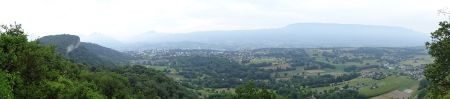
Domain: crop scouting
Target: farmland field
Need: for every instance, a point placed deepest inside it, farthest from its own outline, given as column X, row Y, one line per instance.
column 367, row 72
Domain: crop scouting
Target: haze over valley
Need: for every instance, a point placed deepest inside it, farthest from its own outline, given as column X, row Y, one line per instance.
column 300, row 35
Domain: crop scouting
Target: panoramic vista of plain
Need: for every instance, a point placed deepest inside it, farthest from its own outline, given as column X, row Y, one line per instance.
column 225, row 49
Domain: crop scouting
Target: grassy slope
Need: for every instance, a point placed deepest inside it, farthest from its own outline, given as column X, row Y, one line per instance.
column 386, row 85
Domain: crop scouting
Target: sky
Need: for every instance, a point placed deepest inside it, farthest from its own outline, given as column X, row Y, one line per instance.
column 124, row 19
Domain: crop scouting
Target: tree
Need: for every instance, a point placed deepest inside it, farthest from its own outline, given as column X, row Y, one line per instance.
column 305, row 92
column 438, row 72
column 5, row 87
column 221, row 96
column 111, row 84
column 31, row 70
column 250, row 91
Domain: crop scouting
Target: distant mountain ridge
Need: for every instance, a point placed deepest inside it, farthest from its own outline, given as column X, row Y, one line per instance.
column 72, row 48
column 300, row 35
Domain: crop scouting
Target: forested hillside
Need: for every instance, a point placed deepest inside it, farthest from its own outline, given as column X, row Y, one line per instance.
column 30, row 70
column 83, row 52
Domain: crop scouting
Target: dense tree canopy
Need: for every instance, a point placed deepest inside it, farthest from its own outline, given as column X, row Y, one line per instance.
column 250, row 91
column 438, row 73
column 33, row 70
column 29, row 70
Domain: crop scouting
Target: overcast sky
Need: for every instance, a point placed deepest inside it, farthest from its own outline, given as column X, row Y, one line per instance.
column 126, row 18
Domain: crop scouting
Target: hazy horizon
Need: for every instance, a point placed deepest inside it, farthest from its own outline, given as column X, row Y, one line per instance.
column 122, row 20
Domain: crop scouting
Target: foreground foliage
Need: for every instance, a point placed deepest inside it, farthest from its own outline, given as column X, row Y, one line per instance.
column 29, row 70
column 438, row 73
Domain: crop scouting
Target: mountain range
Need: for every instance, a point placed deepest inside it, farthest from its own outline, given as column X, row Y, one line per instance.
column 300, row 35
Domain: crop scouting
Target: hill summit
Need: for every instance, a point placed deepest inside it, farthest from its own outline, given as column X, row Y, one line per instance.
column 72, row 48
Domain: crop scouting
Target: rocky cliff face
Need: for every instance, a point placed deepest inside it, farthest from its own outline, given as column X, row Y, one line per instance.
column 71, row 47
